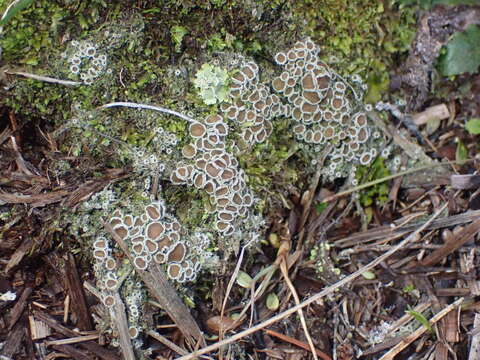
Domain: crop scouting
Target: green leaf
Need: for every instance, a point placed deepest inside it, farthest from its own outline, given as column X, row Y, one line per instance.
column 368, row 275
column 272, row 302
column 462, row 53
column 421, row 319
column 462, row 153
column 13, row 10
column 473, row 126
column 244, row 280
column 320, row 207
column 177, row 33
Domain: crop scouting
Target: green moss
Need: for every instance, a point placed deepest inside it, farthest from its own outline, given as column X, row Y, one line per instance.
column 375, row 171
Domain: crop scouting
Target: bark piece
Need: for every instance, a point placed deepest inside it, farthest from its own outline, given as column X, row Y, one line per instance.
column 77, row 295
column 89, row 345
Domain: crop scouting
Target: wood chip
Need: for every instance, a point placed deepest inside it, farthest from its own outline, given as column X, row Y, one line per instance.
column 436, row 112
column 38, row 329
column 465, row 182
column 79, row 304
column 89, row 345
column 72, row 340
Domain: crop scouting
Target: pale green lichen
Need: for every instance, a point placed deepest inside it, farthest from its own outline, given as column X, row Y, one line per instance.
column 212, row 84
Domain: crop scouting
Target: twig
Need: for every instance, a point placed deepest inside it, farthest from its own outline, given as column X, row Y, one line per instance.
column 296, row 343
column 148, row 107
column 72, row 340
column 386, row 178
column 89, row 345
column 475, row 343
column 44, row 78
column 317, row 296
column 119, row 316
column 167, row 342
column 417, row 333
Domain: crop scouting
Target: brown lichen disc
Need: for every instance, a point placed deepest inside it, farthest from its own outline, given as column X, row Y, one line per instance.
column 329, row 132
column 152, row 212
column 109, row 300
column 133, row 332
column 308, row 82
column 178, row 253
column 323, row 82
column 128, row 220
column 221, row 129
column 111, row 283
column 110, row 264
column 174, row 270
column 308, row 108
column 280, row 58
column 238, row 78
column 140, row 263
column 222, row 226
column 212, row 170
column 159, row 258
column 362, row 135
column 278, row 84
column 199, row 180
column 137, row 248
column 248, row 72
column 312, row 97
column 189, row 151
column 197, row 129
column 115, row 221
column 100, row 254
column 225, row 216
column 361, row 119
column 151, row 246
column 337, row 103
column 155, row 230
column 165, row 241
column 100, row 243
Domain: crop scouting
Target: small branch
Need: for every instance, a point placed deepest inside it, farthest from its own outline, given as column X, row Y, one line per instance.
column 148, row 107
column 167, row 342
column 73, row 340
column 296, row 343
column 121, row 322
column 44, row 78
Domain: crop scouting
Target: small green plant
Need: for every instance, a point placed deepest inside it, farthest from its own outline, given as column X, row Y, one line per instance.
column 177, row 33
column 473, row 126
column 379, row 192
column 421, row 319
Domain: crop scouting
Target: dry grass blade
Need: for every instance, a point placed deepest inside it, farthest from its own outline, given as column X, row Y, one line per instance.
column 296, row 343
column 317, row 296
column 284, row 270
